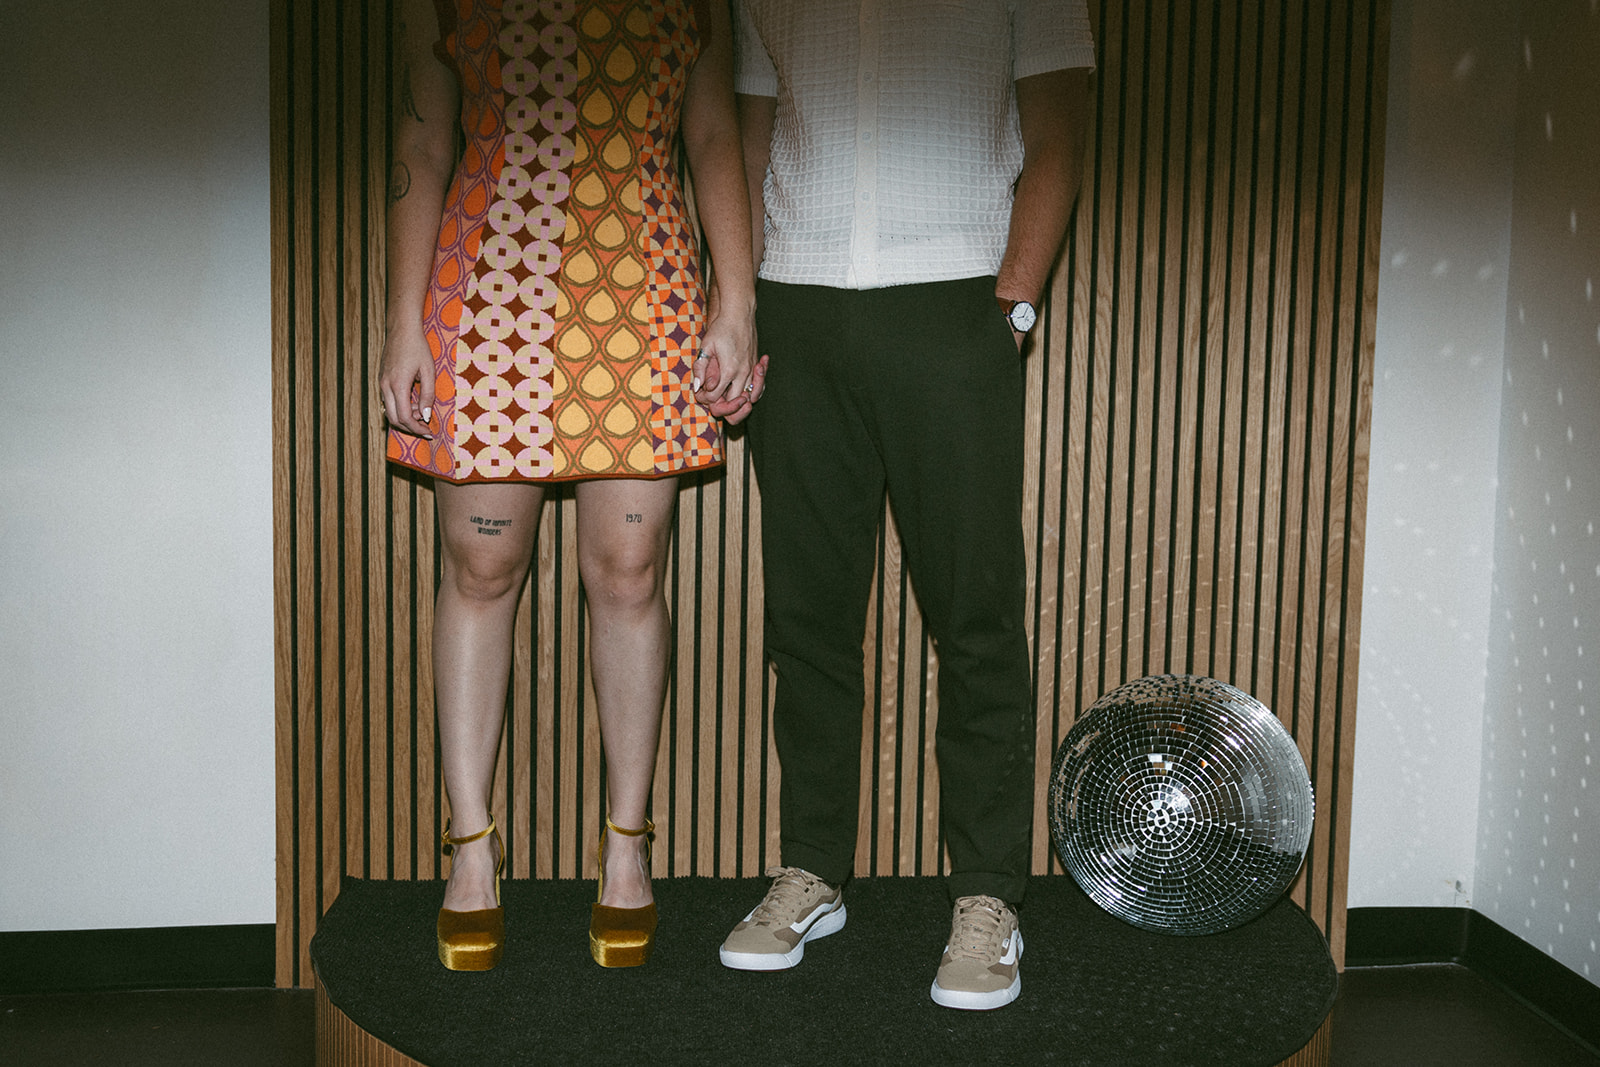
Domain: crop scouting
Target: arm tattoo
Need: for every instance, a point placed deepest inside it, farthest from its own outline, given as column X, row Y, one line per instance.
column 408, row 103
column 399, row 182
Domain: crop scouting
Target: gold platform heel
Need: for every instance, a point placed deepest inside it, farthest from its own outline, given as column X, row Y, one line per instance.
column 621, row 937
column 472, row 940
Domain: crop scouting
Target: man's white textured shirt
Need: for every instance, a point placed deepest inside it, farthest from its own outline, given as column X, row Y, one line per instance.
column 896, row 142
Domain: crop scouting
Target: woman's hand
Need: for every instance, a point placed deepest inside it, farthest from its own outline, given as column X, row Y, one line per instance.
column 405, row 382
column 728, row 380
column 734, row 409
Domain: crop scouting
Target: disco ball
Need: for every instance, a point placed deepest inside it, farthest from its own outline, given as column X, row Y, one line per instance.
column 1180, row 804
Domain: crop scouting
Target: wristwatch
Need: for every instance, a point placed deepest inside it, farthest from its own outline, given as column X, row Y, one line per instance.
column 1019, row 313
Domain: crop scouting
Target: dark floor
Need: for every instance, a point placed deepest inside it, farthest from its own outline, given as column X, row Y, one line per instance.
column 1438, row 1014
column 179, row 1028
column 1442, row 1014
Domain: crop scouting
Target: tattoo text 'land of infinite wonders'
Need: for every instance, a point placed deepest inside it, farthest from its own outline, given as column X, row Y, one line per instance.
column 489, row 527
column 399, row 182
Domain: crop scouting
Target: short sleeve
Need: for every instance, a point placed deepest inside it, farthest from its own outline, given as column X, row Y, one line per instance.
column 1049, row 35
column 753, row 72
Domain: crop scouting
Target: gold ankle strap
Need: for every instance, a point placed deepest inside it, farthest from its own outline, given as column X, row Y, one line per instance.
column 647, row 831
column 648, row 828
column 447, row 843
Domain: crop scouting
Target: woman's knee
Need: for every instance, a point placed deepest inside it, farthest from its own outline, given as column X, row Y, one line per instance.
column 477, row 573
column 487, row 535
column 624, row 576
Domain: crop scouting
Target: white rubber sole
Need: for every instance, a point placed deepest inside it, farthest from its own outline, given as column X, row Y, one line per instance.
column 968, row 1001
column 828, row 923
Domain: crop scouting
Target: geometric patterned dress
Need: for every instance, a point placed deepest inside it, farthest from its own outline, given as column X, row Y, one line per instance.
column 565, row 309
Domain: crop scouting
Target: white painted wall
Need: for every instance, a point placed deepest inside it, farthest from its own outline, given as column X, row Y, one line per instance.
column 1538, row 846
column 1477, row 724
column 136, row 708
column 1435, row 445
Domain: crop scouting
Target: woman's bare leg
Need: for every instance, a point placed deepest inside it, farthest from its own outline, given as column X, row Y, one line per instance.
column 489, row 533
column 624, row 526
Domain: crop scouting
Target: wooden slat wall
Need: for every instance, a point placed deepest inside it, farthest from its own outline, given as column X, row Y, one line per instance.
column 1198, row 425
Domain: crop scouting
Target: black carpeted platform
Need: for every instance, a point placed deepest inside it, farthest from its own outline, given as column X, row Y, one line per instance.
column 1095, row 990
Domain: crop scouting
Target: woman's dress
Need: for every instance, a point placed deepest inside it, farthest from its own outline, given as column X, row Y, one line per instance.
column 565, row 308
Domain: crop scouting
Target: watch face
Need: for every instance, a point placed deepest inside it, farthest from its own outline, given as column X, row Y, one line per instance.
column 1022, row 316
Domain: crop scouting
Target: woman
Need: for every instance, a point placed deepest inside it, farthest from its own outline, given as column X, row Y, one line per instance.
column 546, row 322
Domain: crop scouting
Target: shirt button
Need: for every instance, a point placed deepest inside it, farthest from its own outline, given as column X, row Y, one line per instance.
column 867, row 136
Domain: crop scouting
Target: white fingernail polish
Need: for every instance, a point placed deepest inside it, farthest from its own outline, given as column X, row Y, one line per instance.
column 427, row 414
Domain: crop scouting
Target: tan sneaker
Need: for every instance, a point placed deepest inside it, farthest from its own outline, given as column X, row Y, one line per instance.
column 980, row 967
column 799, row 907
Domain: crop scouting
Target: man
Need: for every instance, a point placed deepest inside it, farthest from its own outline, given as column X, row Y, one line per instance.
column 915, row 166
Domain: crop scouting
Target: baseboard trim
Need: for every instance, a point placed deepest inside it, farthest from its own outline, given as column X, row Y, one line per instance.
column 1385, row 937
column 1377, row 937
column 162, row 957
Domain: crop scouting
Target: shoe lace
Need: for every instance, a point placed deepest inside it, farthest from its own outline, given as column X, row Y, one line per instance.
column 787, row 896
column 976, row 932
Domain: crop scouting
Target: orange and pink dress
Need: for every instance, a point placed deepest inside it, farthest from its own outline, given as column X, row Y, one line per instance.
column 565, row 309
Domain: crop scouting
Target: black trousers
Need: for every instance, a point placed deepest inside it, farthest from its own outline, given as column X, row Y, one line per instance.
column 916, row 390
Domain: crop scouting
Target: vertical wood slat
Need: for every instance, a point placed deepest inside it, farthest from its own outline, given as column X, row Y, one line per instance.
column 353, row 457
column 1197, row 426
column 378, row 679
column 288, row 898
column 307, row 867
column 327, row 417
